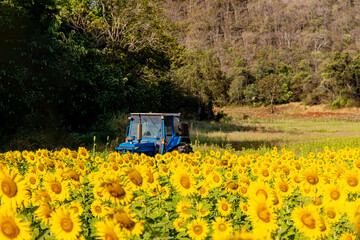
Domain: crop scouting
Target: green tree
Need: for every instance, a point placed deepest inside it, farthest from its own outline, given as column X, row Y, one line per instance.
column 272, row 90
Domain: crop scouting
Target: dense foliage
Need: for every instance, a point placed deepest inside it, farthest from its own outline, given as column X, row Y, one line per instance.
column 69, row 69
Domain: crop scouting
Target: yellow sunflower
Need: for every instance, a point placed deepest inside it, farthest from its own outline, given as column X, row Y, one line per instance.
column 221, row 228
column 198, row 229
column 152, row 178
column 164, row 192
column 41, row 196
column 179, row 224
column 203, row 189
column 347, row 236
column 13, row 188
column 334, row 193
column 264, row 173
column 262, row 217
column 232, row 187
column 76, row 208
column 333, row 211
column 203, row 211
column 307, row 221
column 324, row 227
column 353, row 211
column 244, row 207
column 115, row 190
column 138, row 177
column 32, row 180
column 276, row 200
column 12, row 227
column 196, row 171
column 350, row 180
column 83, row 153
column 163, row 170
column 109, row 230
column 182, row 208
column 259, row 189
column 224, row 207
column 284, row 187
column 43, row 212
column 57, row 188
column 127, row 221
column 311, row 177
column 97, row 209
column 65, row 225
column 214, row 179
column 184, row 183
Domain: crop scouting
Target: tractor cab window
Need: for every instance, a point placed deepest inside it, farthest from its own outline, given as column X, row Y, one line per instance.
column 176, row 121
column 151, row 126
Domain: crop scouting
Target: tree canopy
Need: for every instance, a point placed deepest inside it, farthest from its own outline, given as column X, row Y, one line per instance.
column 70, row 67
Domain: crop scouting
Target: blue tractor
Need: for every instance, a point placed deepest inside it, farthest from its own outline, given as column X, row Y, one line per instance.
column 152, row 133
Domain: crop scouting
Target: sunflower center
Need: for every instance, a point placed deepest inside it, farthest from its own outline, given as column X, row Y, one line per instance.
column 202, row 190
column 185, row 182
column 216, row 178
column 297, row 179
column 44, row 196
column 243, row 190
column 98, row 209
column 66, row 224
column 115, row 190
column 136, row 178
column 352, row 181
column 56, row 187
column 335, row 195
column 32, row 180
column 222, row 227
column 41, row 167
column 308, row 220
column 150, row 177
column 123, row 219
column 185, row 210
column 47, row 211
column 284, row 187
column 331, row 214
column 198, row 229
column 9, row 187
column 74, row 176
column 261, row 192
column 312, row 180
column 275, row 200
column 196, row 171
column 265, row 173
column 81, row 166
column 109, row 236
column 224, row 206
column 233, row 186
column 322, row 226
column 264, row 214
column 10, row 229
column 75, row 208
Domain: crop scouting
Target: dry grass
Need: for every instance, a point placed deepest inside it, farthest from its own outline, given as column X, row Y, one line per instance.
column 292, row 126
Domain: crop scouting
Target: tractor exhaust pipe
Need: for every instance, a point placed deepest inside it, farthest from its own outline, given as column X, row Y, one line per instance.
column 139, row 133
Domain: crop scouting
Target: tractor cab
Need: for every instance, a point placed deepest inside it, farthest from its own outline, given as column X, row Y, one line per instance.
column 152, row 133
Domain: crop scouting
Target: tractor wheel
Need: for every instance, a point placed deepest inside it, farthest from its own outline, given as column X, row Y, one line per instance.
column 183, row 148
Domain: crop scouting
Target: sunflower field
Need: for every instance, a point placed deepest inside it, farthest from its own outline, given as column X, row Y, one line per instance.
column 202, row 195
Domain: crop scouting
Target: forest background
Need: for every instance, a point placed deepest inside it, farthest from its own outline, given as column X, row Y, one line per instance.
column 72, row 69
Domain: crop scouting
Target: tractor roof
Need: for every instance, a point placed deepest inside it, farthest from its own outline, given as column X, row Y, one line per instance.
column 157, row 114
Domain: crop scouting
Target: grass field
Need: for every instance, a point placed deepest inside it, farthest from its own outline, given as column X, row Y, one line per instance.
column 292, row 126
